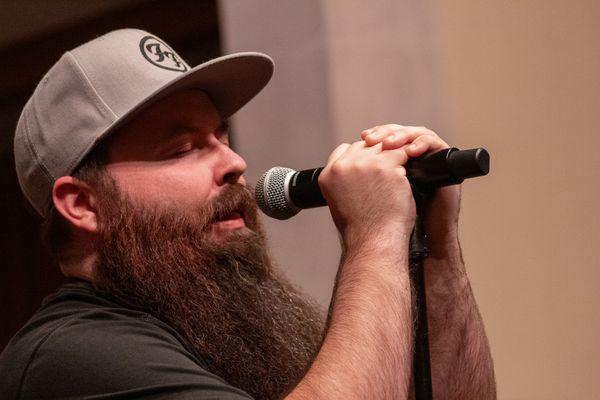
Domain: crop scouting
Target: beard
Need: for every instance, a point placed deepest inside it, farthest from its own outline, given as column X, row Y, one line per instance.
column 222, row 294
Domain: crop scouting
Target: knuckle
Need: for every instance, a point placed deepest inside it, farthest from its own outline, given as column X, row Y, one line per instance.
column 425, row 139
column 388, row 142
column 338, row 168
column 393, row 127
column 360, row 166
column 323, row 178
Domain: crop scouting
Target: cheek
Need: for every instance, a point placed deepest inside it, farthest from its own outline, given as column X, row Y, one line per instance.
column 155, row 186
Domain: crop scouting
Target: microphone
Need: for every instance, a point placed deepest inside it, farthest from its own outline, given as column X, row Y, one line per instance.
column 282, row 192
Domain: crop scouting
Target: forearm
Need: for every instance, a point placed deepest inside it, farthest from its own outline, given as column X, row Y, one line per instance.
column 367, row 351
column 460, row 356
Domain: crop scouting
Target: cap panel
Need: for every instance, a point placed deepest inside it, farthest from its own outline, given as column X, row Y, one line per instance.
column 49, row 139
column 67, row 113
column 131, row 54
column 33, row 177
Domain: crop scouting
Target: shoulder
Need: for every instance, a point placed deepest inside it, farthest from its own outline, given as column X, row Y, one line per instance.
column 116, row 338
column 105, row 351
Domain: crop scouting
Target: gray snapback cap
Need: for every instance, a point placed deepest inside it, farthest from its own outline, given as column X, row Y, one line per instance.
column 99, row 85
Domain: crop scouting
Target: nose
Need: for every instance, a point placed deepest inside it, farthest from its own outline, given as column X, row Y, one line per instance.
column 230, row 166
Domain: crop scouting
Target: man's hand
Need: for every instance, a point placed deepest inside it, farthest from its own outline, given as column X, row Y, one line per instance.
column 442, row 216
column 368, row 194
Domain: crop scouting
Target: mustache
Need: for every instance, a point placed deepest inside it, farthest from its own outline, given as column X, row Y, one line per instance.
column 235, row 199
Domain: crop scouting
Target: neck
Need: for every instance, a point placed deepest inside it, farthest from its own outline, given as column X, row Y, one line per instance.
column 81, row 267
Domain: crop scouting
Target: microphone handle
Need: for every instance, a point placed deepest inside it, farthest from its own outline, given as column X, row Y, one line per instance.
column 304, row 190
column 447, row 167
column 442, row 168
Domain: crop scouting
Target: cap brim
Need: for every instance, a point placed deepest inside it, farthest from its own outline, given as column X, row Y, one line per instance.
column 230, row 81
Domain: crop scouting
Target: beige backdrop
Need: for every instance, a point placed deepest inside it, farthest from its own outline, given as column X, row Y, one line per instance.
column 521, row 78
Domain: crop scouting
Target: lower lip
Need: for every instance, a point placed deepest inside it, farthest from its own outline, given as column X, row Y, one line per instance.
column 229, row 224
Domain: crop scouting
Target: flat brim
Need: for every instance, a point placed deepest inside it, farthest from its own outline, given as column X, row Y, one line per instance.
column 230, row 81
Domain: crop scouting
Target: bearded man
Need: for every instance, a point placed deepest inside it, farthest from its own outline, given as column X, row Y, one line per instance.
column 123, row 150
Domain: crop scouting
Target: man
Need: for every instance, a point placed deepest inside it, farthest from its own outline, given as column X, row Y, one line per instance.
column 123, row 150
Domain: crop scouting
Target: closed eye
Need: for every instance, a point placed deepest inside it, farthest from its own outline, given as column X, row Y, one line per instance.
column 182, row 151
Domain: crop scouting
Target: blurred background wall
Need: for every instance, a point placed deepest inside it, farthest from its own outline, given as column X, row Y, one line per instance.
column 523, row 78
column 520, row 78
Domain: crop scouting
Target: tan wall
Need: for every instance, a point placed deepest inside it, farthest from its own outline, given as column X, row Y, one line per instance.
column 521, row 78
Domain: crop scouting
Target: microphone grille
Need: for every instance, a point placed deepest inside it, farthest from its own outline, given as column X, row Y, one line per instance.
column 270, row 194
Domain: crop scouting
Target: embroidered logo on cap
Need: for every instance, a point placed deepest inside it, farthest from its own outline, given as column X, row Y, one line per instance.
column 161, row 55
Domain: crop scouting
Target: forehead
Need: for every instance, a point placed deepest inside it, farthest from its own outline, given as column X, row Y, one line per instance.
column 188, row 110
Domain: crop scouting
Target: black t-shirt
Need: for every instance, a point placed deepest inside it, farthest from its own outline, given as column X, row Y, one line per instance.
column 80, row 345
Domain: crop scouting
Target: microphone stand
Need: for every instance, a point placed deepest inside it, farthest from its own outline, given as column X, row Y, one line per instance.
column 418, row 251
column 426, row 174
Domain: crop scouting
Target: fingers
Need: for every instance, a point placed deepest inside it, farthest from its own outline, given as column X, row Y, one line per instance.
column 394, row 136
column 361, row 146
column 415, row 140
column 380, row 131
column 358, row 153
column 408, row 135
column 424, row 144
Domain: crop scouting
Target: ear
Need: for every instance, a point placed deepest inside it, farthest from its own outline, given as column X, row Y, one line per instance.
column 75, row 201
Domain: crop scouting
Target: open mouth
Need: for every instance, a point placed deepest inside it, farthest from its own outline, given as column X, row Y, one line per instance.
column 229, row 216
column 233, row 216
column 228, row 222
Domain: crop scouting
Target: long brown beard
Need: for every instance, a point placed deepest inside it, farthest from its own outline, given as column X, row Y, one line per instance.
column 250, row 325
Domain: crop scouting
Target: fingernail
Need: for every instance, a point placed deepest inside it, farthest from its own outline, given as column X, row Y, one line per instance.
column 413, row 146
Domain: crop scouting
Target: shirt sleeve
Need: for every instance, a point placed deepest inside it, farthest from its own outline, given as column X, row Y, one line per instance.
column 106, row 355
